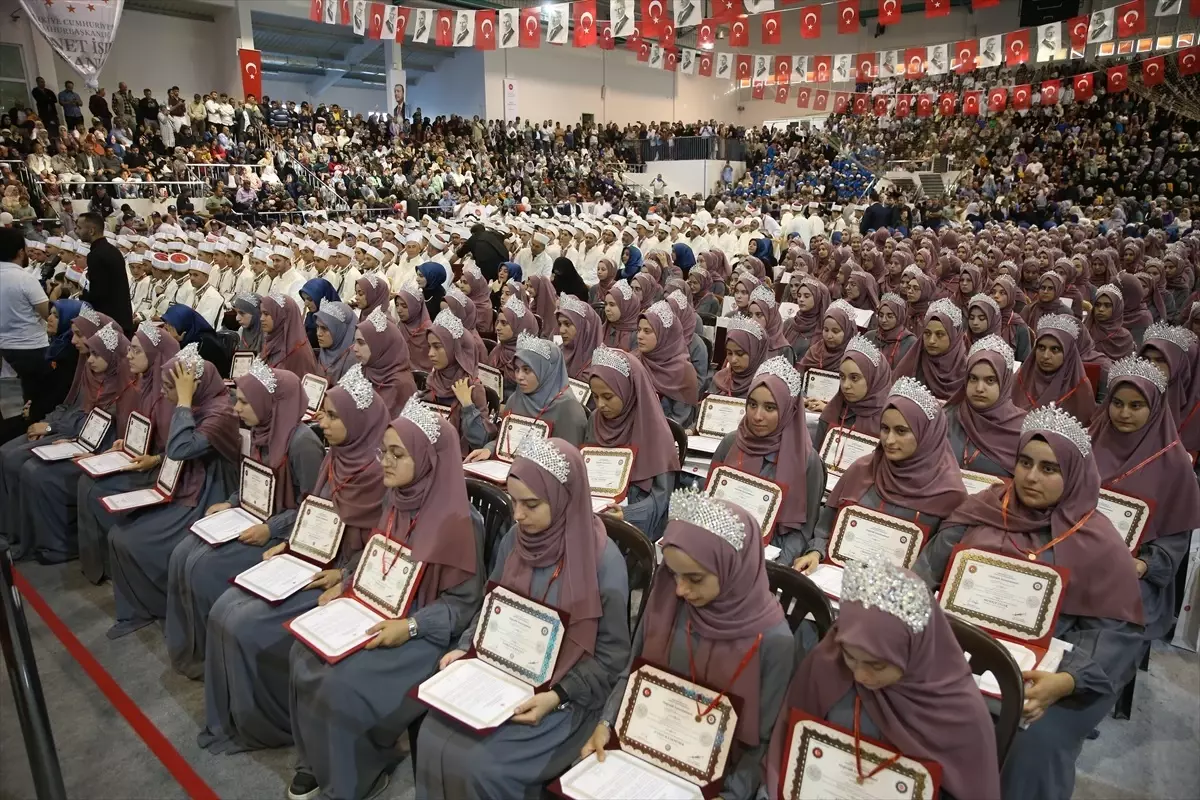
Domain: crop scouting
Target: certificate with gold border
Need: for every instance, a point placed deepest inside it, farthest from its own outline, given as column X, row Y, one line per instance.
column 1128, row 514
column 821, row 384
column 719, row 415
column 860, row 534
column 976, row 482
column 759, row 496
column 513, row 429
column 608, row 470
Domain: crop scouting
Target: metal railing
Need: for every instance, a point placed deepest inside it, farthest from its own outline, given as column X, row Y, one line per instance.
column 682, row 148
column 26, row 176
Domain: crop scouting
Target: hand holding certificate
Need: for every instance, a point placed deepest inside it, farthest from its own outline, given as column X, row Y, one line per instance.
column 224, row 526
column 821, row 384
column 513, row 430
column 1128, row 514
column 95, row 427
column 608, row 470
column 759, row 496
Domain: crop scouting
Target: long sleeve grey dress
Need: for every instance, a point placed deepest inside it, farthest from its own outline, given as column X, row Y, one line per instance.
column 967, row 453
column 645, row 508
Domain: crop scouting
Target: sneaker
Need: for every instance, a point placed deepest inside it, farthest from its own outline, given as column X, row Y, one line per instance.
column 303, row 787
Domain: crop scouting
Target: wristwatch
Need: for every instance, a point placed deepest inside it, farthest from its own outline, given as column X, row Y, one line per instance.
column 412, row 628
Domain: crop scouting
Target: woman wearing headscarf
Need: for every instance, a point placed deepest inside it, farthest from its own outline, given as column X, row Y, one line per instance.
column 380, row 348
column 204, row 438
column 313, row 293
column 841, row 682
column 580, row 329
column 1055, row 373
column 743, row 287
column 246, row 675
column 1180, row 279
column 514, row 319
column 454, row 385
column 558, row 554
column 717, row 264
column 371, row 291
column 543, row 301
column 654, row 264
column 567, row 281
column 1152, row 286
column 1013, row 328
column 982, row 421
column 683, row 257
column 826, row 353
column 921, row 291
column 431, row 277
column 710, row 609
column 187, row 327
column 462, row 307
column 703, row 300
column 862, row 396
column 285, row 345
column 272, row 404
column 335, row 325
column 1111, row 341
column 982, row 315
column 1069, row 272
column 1137, row 316
column 631, row 261
column 414, row 326
column 939, row 361
column 661, row 348
column 606, row 272
column 755, row 266
column 745, row 351
column 621, row 310
column 1048, row 514
column 765, row 311
column 346, row 717
column 678, row 298
column 49, row 488
column 1173, row 349
column 475, row 287
column 862, row 291
column 250, row 334
column 912, row 474
column 628, row 414
column 805, row 326
column 772, row 442
column 1049, row 292
column 647, row 290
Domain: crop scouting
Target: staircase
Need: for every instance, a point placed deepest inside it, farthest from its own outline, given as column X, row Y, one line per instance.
column 932, row 184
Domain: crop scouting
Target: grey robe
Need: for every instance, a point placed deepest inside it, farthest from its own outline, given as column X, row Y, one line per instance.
column 94, row 521
column 1162, row 557
column 568, row 420
column 965, row 450
column 644, row 509
column 48, row 490
column 140, row 548
column 873, row 501
column 473, row 429
column 893, row 351
column 198, row 573
column 679, row 411
column 514, row 760
column 777, row 661
column 346, row 717
column 698, row 355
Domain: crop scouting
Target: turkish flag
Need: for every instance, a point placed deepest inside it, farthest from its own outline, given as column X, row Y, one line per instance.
column 841, row 102
column 820, row 100
column 937, row 8
column 848, row 16
column 670, row 60
column 583, row 17
column 889, row 12
column 643, row 51
column 402, row 22
column 1154, row 70
column 344, row 12
column 634, row 40
column 251, row 61
column 978, row 4
column 860, row 103
column 375, row 26
column 1131, row 18
column 997, row 99
column 1084, row 86
column 781, row 93
column 783, row 70
column 1051, row 91
column 965, row 53
column 316, row 11
column 903, row 105
column 810, row 22
column 971, row 103
column 914, row 62
column 706, row 34
column 485, row 29
column 444, row 29
column 758, row 91
column 743, row 67
column 802, row 97
column 666, row 33
column 531, row 27
column 946, row 104
column 1077, row 27
column 1021, row 96
column 653, row 14
column 822, row 66
column 881, row 104
column 1118, row 78
column 726, row 10
column 1194, row 8
column 772, row 27
column 739, row 32
column 1188, row 61
column 706, row 65
column 1016, row 47
column 925, row 105
column 864, row 63
column 605, row 38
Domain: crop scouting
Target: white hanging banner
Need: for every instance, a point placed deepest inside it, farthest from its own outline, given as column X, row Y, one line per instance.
column 510, row 100
column 82, row 33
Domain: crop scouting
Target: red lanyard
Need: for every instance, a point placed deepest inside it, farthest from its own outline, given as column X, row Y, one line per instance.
column 1033, row 403
column 1145, row 461
column 553, row 578
column 391, row 520
column 286, row 355
column 1033, row 554
column 736, row 674
column 1188, row 418
column 337, row 487
column 968, row 460
column 858, row 748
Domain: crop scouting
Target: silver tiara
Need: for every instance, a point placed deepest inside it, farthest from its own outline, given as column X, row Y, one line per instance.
column 984, row 299
column 473, row 271
column 781, row 368
column 335, row 309
column 1195, row 308
column 1177, row 335
column 543, row 347
column 378, row 320
column 543, row 453
column 679, row 297
column 715, row 516
column 1055, row 420
column 190, row 357
column 861, row 344
column 994, row 344
column 372, row 279
column 663, row 312
column 357, row 386
column 108, row 336
column 762, row 294
column 1008, row 282
column 569, row 302
column 424, row 418
column 613, row 359
column 446, row 319
column 911, row 271
column 248, row 297
column 912, row 389
column 876, row 583
column 151, row 332
column 90, row 314
column 747, row 324
column 1007, row 262
column 624, row 288
column 412, row 288
column 892, row 297
column 515, row 305
column 1112, row 290
column 1059, row 322
column 456, row 294
column 1132, row 366
column 946, row 307
column 278, row 299
column 264, row 375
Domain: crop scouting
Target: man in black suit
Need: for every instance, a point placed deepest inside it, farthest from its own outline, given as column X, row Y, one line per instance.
column 107, row 281
column 876, row 216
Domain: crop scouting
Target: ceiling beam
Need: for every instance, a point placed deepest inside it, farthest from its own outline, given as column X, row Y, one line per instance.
column 354, row 55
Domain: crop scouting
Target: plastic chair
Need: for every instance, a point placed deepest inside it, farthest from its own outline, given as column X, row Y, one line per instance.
column 420, row 377
column 985, row 654
column 489, row 343
column 496, row 507
column 799, row 597
column 639, row 561
column 680, row 438
column 493, row 401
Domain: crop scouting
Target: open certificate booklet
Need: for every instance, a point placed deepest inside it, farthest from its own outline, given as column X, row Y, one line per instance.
column 314, row 387
column 135, row 445
column 91, row 435
column 759, row 496
column 841, row 448
column 666, row 745
column 383, row 587
column 161, row 492
column 512, row 656
column 717, row 416
column 315, row 539
column 860, row 534
column 256, row 498
column 608, row 471
column 1128, row 514
column 819, row 763
column 513, row 430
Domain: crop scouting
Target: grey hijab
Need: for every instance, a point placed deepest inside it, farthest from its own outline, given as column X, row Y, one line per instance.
column 546, row 360
column 251, row 336
column 342, row 322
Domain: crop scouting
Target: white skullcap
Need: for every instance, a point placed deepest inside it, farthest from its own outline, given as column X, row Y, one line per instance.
column 74, row 275
column 438, row 241
column 200, row 266
column 413, row 238
column 286, row 252
column 206, row 247
column 187, row 248
column 541, row 238
column 345, row 250
column 374, row 252
column 180, row 262
column 261, row 253
column 391, row 248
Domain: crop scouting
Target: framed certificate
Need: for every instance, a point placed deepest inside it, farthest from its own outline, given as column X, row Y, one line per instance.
column 135, row 444
column 387, row 577
column 493, row 471
column 976, row 482
column 91, row 436
column 491, row 378
column 1011, row 598
column 759, row 496
column 842, row 447
column 860, row 534
column 819, row 762
column 1128, row 514
column 581, row 389
column 317, row 531
column 137, row 434
column 609, row 470
column 314, row 387
column 159, row 493
column 337, row 629
column 719, row 415
column 242, row 359
column 256, row 489
column 513, row 429
column 821, row 384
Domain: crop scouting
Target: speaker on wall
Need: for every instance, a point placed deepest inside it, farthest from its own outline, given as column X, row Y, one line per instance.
column 1042, row 12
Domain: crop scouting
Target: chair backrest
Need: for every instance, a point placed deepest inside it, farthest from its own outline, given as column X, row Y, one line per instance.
column 493, row 401
column 496, row 508
column 420, row 376
column 680, row 438
column 985, row 654
column 709, row 320
column 708, row 346
column 639, row 561
column 489, row 343
column 799, row 597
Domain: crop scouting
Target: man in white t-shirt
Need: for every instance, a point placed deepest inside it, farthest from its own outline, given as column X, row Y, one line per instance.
column 24, row 309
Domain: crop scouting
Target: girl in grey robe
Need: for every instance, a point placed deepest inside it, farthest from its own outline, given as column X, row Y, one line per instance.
column 559, row 555
column 246, row 671
column 985, row 439
column 204, row 437
column 272, row 404
column 346, row 717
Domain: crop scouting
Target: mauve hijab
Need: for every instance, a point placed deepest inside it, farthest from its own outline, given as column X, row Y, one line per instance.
column 575, row 540
column 588, row 333
column 1067, row 386
column 996, row 429
column 1110, row 338
column 279, row 413
column 215, row 420
column 388, row 369
column 991, row 311
column 729, row 625
column 286, row 346
column 807, row 324
column 159, row 349
column 869, row 409
column 819, row 355
column 668, row 363
column 1136, row 315
column 462, row 307
column 717, row 264
column 116, row 393
column 1152, row 285
column 943, row 374
column 520, row 320
column 868, row 290
column 545, row 302
column 416, row 329
column 764, row 300
column 339, row 319
column 460, row 358
column 351, row 475
column 618, row 334
column 681, row 304
column 1183, row 388
column 651, row 289
column 706, row 283
column 85, row 325
column 916, row 310
column 480, row 295
column 376, row 291
column 750, row 338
